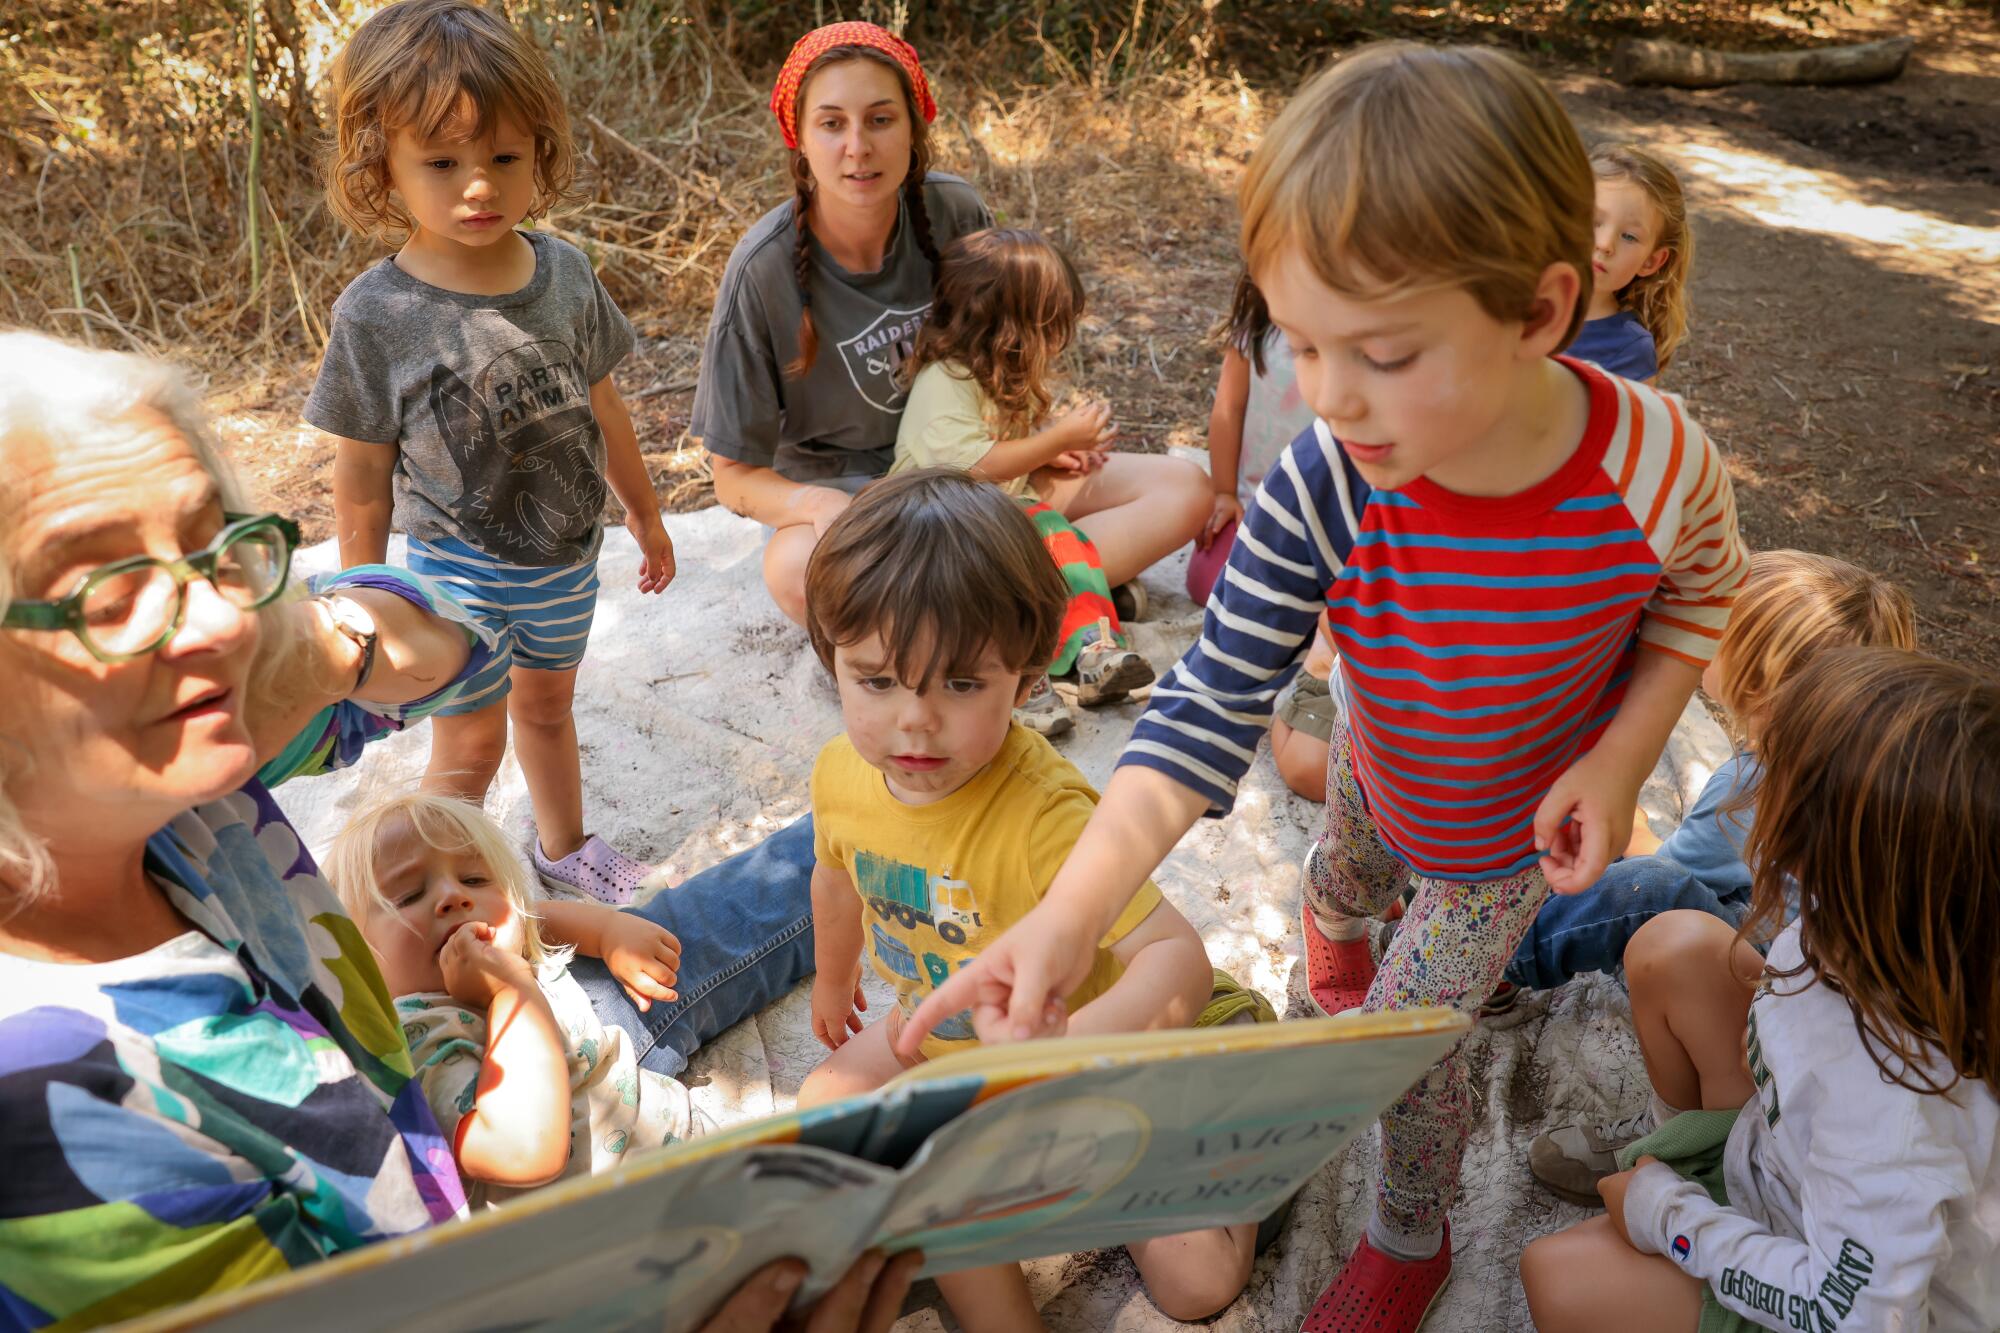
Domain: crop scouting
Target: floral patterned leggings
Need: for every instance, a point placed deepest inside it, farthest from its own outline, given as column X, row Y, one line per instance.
column 1454, row 942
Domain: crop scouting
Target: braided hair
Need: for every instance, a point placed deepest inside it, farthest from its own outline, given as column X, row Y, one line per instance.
column 802, row 192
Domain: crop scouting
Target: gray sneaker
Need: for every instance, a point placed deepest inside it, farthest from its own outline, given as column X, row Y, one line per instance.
column 1043, row 713
column 1571, row 1160
column 1105, row 673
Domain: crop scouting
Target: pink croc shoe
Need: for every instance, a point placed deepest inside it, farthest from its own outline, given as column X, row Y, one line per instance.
column 1377, row 1294
column 595, row 870
column 1338, row 972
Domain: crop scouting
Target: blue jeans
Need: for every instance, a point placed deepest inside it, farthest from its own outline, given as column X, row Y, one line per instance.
column 745, row 927
column 1588, row 931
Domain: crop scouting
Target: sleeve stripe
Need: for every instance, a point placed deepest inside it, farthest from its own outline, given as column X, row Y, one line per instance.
column 1670, row 478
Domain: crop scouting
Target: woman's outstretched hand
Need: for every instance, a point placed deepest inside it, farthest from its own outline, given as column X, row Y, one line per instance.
column 867, row 1300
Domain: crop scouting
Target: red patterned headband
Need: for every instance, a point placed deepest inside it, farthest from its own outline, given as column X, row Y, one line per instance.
column 785, row 96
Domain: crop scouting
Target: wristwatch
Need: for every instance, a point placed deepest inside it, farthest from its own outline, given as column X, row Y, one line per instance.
column 354, row 621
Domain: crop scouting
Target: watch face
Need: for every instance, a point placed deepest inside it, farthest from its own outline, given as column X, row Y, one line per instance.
column 351, row 616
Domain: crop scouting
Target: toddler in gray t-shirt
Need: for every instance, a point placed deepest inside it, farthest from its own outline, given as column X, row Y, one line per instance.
column 486, row 400
column 467, row 383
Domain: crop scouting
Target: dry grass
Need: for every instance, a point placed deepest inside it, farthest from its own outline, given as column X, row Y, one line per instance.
column 124, row 142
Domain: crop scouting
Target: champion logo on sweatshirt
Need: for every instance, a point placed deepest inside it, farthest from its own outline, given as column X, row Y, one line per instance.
column 1682, row 1248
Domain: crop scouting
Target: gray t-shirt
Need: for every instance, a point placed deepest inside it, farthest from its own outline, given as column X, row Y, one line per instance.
column 840, row 418
column 487, row 399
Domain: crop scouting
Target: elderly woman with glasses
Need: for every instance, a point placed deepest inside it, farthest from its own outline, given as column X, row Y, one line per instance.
column 202, row 1079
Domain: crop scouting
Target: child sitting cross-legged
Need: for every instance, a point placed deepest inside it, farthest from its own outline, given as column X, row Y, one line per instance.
column 982, row 383
column 939, row 822
column 522, row 1076
column 1794, row 606
column 1827, row 1150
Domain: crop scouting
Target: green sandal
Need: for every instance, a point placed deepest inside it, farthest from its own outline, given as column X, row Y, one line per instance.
column 1233, row 1002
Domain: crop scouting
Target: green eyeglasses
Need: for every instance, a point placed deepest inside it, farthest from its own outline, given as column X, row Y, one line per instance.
column 129, row 608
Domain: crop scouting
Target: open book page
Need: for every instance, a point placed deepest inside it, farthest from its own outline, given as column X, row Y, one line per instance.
column 1133, row 1147
column 648, row 1249
column 1037, row 1149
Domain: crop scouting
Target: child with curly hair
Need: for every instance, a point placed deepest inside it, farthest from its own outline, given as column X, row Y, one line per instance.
column 467, row 388
column 982, row 386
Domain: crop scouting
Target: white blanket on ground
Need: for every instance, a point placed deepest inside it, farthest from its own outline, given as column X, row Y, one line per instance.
column 699, row 714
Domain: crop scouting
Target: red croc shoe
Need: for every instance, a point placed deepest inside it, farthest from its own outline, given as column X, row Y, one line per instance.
column 1338, row 972
column 1377, row 1294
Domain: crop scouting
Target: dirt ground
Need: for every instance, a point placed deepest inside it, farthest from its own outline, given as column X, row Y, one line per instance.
column 1846, row 340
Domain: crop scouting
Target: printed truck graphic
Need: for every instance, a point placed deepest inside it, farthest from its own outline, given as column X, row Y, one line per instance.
column 895, row 955
column 907, row 895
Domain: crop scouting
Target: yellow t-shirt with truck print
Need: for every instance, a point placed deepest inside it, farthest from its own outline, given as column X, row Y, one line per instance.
column 939, row 882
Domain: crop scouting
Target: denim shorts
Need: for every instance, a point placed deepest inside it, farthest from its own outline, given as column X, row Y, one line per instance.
column 541, row 613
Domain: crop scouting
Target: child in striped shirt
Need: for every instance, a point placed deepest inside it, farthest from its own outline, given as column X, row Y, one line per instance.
column 1523, row 563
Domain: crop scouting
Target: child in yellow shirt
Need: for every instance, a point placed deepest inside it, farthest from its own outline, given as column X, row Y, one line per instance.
column 939, row 822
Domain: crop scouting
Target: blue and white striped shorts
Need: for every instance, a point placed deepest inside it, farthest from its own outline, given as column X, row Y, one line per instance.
column 541, row 613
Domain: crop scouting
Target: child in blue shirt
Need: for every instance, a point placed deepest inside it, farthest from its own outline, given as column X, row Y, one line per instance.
column 1640, row 261
column 1792, row 607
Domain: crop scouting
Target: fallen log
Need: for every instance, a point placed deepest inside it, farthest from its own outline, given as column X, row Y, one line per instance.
column 1646, row 60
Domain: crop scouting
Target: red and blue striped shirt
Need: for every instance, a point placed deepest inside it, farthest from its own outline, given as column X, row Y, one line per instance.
column 1485, row 643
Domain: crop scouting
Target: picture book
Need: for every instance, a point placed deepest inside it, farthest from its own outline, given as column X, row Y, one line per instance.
column 997, row 1154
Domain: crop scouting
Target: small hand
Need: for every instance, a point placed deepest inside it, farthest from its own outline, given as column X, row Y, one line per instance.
column 989, row 1024
column 656, row 552
column 1078, row 462
column 644, row 957
column 1088, row 427
column 476, row 969
column 1586, row 813
column 1009, row 986
column 1612, row 1189
column 835, row 1002
column 867, row 1300
column 1227, row 509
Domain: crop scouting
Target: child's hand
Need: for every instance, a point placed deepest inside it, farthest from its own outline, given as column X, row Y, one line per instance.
column 1078, row 462
column 1612, row 1190
column 1596, row 796
column 656, row 551
column 990, row 1025
column 476, row 969
column 1088, row 427
column 644, row 957
column 1228, row 509
column 1009, row 986
column 835, row 1000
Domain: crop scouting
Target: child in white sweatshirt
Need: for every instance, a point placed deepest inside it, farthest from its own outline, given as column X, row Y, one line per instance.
column 1837, row 1165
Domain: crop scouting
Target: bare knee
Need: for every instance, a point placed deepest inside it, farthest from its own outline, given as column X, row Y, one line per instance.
column 1301, row 760
column 1193, row 498
column 821, row 1086
column 1189, row 1298
column 545, row 705
column 1199, row 1277
column 786, row 556
column 466, row 751
column 1671, row 943
column 1542, row 1266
